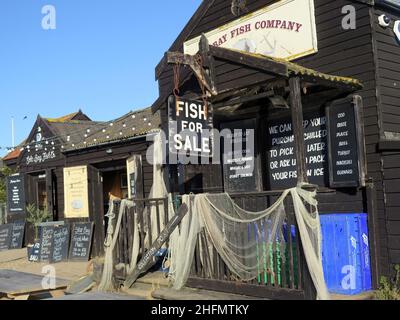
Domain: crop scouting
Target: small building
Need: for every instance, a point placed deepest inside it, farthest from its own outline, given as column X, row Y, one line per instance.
column 71, row 166
column 40, row 161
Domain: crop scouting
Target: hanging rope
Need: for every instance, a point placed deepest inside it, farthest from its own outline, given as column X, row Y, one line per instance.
column 199, row 60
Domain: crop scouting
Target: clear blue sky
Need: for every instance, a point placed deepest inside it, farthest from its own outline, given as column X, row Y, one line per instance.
column 100, row 58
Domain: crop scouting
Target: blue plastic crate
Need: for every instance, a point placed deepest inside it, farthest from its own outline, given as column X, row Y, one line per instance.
column 345, row 253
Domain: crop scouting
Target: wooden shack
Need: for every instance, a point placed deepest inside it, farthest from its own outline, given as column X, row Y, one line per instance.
column 71, row 165
column 40, row 160
column 266, row 65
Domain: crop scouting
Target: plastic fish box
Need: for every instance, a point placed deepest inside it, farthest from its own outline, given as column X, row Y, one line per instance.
column 345, row 253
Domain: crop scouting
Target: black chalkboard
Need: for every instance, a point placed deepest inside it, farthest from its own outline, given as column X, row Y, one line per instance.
column 5, row 237
column 345, row 142
column 81, row 241
column 281, row 155
column 16, row 194
column 17, row 237
column 46, row 242
column 60, row 245
column 34, row 252
column 241, row 172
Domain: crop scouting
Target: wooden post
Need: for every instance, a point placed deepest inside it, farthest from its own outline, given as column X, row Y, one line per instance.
column 373, row 233
column 298, row 129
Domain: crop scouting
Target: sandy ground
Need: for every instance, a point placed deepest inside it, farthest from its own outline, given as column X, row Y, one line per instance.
column 17, row 260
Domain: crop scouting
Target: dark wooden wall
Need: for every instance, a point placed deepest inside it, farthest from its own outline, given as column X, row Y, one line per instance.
column 388, row 71
column 388, row 88
column 121, row 151
column 353, row 53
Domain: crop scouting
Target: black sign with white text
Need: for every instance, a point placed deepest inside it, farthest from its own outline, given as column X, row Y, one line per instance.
column 16, row 194
column 345, row 150
column 281, row 155
column 189, row 121
column 17, row 237
column 81, row 241
column 5, row 237
column 46, row 243
column 239, row 164
column 60, row 245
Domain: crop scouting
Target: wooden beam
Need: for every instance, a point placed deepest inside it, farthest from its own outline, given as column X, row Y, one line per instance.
column 265, row 64
column 199, row 71
column 147, row 260
column 374, row 241
column 298, row 129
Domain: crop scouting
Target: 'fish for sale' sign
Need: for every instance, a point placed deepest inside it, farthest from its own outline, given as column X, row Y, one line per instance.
column 190, row 127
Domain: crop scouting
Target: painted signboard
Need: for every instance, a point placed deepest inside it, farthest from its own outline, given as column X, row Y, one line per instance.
column 347, row 148
column 334, row 147
column 76, row 192
column 189, row 121
column 284, row 30
column 240, row 167
column 41, row 150
column 81, row 241
column 16, row 194
column 281, row 156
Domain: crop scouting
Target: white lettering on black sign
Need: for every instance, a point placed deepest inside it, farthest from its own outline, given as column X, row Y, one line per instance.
column 46, row 241
column 5, row 234
column 343, row 139
column 189, row 125
column 60, row 244
column 17, row 237
column 281, row 153
column 81, row 240
column 16, row 194
column 40, row 157
column 239, row 163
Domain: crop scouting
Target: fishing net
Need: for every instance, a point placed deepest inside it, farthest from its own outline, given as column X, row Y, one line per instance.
column 243, row 238
column 158, row 191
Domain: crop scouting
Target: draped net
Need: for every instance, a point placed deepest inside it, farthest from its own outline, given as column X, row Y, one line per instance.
column 243, row 238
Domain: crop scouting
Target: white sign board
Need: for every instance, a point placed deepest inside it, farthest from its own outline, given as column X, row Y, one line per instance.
column 76, row 192
column 285, row 30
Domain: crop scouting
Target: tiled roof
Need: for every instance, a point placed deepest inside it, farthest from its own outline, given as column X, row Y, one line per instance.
column 13, row 154
column 133, row 124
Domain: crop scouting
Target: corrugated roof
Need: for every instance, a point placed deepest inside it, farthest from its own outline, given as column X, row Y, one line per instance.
column 133, row 124
column 73, row 132
column 70, row 117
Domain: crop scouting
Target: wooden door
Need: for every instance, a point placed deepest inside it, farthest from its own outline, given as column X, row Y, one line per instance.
column 50, row 194
column 96, row 209
column 135, row 177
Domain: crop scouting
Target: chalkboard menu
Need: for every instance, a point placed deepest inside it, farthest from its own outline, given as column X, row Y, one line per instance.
column 81, row 241
column 17, row 236
column 16, row 194
column 34, row 252
column 281, row 154
column 60, row 245
column 345, row 140
column 5, row 236
column 46, row 241
column 239, row 163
